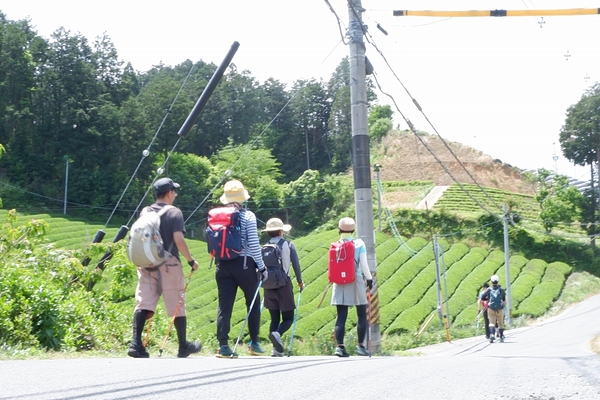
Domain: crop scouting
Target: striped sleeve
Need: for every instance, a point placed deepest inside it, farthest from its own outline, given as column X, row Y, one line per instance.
column 250, row 240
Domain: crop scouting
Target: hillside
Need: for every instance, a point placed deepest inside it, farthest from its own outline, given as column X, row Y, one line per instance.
column 403, row 157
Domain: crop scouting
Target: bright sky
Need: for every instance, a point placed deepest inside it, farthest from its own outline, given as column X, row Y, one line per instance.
column 500, row 85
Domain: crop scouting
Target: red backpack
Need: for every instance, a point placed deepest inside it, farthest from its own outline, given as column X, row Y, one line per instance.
column 341, row 268
column 223, row 233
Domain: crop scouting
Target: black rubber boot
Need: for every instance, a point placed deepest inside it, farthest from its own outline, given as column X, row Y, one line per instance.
column 185, row 348
column 136, row 348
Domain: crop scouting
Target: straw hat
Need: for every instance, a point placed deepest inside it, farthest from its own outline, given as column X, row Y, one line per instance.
column 275, row 224
column 234, row 192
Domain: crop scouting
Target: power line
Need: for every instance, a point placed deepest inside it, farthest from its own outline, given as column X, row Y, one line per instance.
column 415, row 102
column 413, row 130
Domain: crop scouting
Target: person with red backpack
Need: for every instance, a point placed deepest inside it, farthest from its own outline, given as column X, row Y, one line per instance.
column 353, row 293
column 243, row 270
column 279, row 296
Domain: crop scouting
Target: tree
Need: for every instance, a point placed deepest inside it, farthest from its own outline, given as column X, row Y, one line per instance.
column 559, row 202
column 380, row 121
column 580, row 143
column 580, row 136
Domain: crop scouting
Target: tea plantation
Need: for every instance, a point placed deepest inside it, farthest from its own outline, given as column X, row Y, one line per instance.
column 405, row 276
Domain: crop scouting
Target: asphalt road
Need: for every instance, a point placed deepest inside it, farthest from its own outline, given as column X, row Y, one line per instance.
column 551, row 360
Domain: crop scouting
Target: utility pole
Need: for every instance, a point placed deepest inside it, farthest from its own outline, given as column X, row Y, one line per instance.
column 507, row 265
column 363, row 191
column 66, row 183
column 377, row 168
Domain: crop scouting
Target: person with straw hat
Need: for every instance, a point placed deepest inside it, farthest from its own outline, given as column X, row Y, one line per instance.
column 280, row 301
column 243, row 272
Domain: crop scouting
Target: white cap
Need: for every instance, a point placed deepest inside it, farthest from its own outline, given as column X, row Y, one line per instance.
column 494, row 279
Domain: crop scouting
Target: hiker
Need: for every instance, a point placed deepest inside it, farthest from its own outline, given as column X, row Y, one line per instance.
column 280, row 301
column 496, row 297
column 353, row 293
column 482, row 306
column 244, row 271
column 166, row 279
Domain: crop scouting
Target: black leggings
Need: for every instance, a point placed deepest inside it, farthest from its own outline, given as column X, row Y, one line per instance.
column 287, row 318
column 340, row 323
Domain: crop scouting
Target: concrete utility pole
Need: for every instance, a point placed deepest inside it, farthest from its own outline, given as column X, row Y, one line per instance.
column 66, row 183
column 363, row 192
column 507, row 265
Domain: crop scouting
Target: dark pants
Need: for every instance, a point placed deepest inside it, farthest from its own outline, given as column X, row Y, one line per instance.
column 281, row 321
column 230, row 275
column 361, row 325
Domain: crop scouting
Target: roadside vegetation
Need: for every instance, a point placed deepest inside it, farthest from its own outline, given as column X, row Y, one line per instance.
column 48, row 310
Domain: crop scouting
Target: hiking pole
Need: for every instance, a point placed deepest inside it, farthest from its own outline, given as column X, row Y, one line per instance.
column 189, row 278
column 477, row 318
column 148, row 331
column 369, row 321
column 247, row 316
column 324, row 294
column 294, row 324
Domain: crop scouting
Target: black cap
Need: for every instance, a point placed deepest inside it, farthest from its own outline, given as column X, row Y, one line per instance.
column 163, row 185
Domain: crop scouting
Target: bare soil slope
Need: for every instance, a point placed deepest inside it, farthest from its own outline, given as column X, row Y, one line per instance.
column 403, row 157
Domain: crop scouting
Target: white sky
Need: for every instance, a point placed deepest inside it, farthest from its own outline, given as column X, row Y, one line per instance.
column 500, row 85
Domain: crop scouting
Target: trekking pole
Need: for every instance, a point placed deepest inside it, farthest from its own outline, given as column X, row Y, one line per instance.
column 369, row 321
column 247, row 316
column 477, row 318
column 294, row 324
column 148, row 331
column 324, row 294
column 189, row 278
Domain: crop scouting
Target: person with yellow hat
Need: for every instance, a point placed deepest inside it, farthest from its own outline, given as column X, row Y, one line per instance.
column 243, row 272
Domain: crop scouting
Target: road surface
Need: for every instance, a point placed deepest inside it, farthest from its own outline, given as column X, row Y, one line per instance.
column 551, row 360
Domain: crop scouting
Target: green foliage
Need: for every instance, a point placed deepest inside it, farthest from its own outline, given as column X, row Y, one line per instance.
column 580, row 135
column 559, row 202
column 315, row 200
column 44, row 297
column 380, row 121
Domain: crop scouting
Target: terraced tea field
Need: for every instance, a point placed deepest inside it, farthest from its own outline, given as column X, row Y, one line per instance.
column 405, row 274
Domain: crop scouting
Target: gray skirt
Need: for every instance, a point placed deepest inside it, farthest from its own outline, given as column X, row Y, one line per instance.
column 350, row 294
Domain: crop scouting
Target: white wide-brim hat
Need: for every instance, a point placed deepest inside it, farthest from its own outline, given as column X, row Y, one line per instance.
column 234, row 192
column 347, row 224
column 275, row 224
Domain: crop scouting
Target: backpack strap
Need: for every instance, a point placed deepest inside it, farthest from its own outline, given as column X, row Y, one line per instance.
column 162, row 212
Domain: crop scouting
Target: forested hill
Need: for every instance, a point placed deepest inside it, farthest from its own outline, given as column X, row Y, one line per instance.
column 69, row 102
column 76, row 121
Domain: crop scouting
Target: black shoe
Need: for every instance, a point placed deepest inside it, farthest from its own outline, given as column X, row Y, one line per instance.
column 341, row 352
column 275, row 338
column 137, row 351
column 190, row 348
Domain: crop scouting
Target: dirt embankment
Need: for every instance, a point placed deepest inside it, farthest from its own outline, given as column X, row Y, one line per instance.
column 403, row 157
